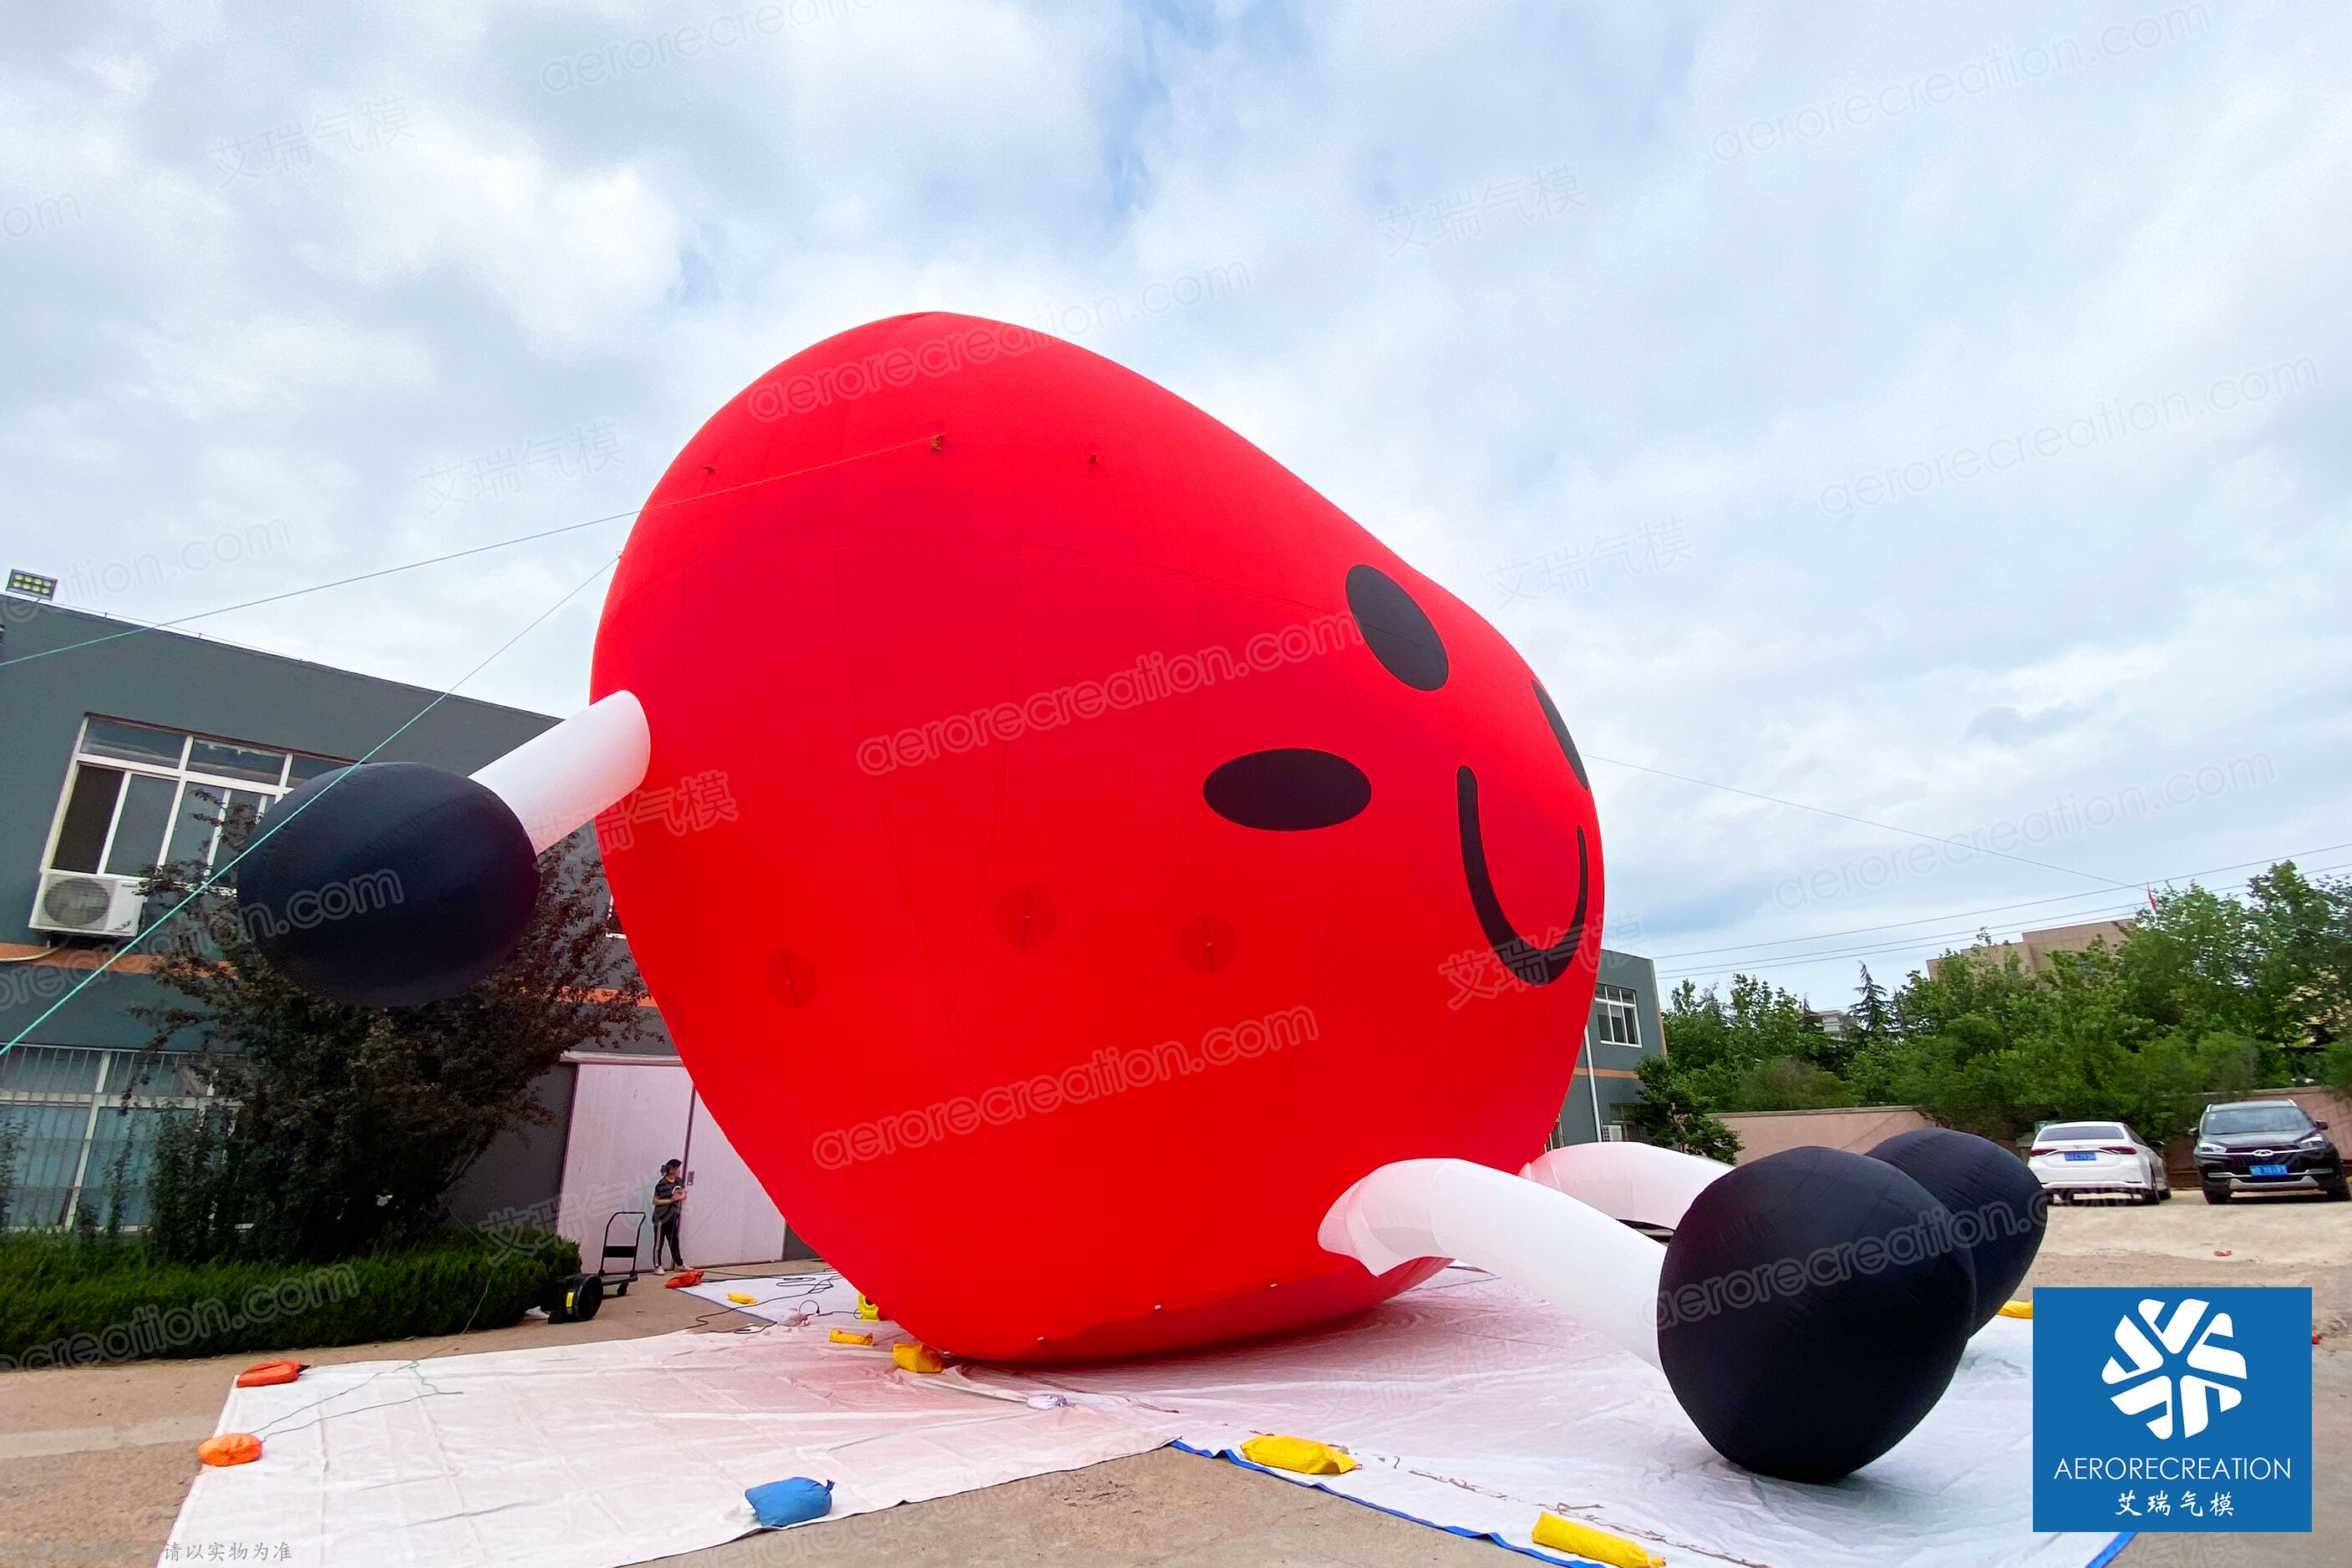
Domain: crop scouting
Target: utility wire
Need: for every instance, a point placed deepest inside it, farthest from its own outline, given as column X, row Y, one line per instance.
column 1912, row 942
column 1994, row 909
column 1848, row 817
column 314, row 588
column 459, row 555
column 216, row 874
column 333, row 780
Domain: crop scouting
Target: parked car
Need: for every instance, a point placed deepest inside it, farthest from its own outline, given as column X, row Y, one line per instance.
column 2072, row 1158
column 2266, row 1145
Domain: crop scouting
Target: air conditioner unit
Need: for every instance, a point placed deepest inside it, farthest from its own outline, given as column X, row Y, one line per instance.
column 87, row 904
column 1612, row 1131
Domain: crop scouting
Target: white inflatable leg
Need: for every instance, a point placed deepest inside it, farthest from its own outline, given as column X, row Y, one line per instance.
column 1569, row 1253
column 1627, row 1181
column 561, row 779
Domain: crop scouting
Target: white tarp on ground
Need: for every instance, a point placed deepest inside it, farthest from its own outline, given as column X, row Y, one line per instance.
column 592, row 1456
column 1473, row 1407
column 1470, row 1406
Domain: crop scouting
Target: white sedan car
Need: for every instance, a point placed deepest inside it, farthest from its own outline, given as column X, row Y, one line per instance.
column 2072, row 1158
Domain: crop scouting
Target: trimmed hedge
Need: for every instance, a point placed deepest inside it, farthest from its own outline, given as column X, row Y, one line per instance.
column 81, row 1302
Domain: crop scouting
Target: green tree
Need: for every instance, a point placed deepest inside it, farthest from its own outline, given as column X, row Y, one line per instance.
column 1873, row 1014
column 340, row 1127
column 1762, row 1048
column 1668, row 1114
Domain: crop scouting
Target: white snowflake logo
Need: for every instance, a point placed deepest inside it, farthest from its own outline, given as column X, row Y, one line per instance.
column 2204, row 1356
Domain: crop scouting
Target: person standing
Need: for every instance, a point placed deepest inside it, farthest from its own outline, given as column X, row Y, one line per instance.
column 669, row 1197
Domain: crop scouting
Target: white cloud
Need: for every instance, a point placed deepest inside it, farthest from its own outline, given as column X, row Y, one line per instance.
column 208, row 368
column 1718, row 341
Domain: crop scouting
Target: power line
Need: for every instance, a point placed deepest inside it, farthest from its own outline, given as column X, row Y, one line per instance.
column 1994, row 909
column 459, row 555
column 1911, row 944
column 1848, row 817
column 263, row 837
column 314, row 588
column 214, row 875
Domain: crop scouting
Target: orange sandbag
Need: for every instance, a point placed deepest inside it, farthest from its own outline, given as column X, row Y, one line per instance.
column 680, row 1282
column 230, row 1448
column 262, row 1374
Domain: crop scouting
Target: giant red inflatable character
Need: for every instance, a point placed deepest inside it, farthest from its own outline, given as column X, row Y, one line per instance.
column 1070, row 738
column 1072, row 852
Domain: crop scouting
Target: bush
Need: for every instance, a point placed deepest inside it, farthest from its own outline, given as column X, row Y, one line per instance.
column 66, row 1301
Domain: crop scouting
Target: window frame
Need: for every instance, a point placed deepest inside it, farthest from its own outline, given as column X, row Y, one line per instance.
column 1616, row 1004
column 182, row 777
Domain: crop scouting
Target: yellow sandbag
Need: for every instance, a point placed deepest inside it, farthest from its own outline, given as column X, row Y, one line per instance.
column 740, row 1300
column 843, row 1336
column 2017, row 1309
column 867, row 1313
column 916, row 1356
column 1305, row 1455
column 1599, row 1545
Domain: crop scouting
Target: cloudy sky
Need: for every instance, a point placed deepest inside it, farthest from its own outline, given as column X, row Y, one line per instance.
column 1937, row 421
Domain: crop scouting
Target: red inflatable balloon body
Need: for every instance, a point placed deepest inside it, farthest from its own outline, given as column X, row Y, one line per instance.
column 1080, row 836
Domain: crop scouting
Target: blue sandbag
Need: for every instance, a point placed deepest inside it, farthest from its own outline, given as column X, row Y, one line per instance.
column 792, row 1500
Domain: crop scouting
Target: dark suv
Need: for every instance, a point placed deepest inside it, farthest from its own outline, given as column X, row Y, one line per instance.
column 2266, row 1145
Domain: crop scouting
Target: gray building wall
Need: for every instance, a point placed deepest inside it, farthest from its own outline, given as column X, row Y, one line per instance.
column 58, row 664
column 1605, row 1072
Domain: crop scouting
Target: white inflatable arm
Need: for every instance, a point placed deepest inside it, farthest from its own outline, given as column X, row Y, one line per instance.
column 563, row 778
column 1569, row 1253
column 1627, row 1181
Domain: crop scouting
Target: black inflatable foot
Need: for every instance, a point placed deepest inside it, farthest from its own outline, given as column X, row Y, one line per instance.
column 1999, row 1210
column 388, row 884
column 1812, row 1308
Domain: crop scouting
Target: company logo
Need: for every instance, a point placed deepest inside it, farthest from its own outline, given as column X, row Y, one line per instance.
column 2171, row 1408
column 2205, row 1362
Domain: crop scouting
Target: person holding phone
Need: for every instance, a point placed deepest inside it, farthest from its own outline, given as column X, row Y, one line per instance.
column 669, row 1197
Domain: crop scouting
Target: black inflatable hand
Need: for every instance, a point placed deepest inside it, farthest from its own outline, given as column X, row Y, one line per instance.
column 388, row 884
column 1999, row 1209
column 1812, row 1308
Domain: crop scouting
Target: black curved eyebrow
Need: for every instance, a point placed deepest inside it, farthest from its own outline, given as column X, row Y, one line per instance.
column 1538, row 965
column 1396, row 629
column 1559, row 733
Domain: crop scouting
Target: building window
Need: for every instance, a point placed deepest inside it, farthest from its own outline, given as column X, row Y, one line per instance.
column 138, row 796
column 84, row 1123
column 1614, row 1017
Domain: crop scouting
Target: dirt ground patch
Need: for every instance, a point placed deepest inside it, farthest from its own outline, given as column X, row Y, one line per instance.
column 2284, row 1240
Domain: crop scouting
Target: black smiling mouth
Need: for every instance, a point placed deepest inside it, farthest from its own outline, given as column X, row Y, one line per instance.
column 1297, row 790
column 1531, row 962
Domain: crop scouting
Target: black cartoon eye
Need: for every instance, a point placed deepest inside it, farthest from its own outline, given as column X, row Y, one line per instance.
column 1395, row 630
column 1288, row 790
column 1559, row 733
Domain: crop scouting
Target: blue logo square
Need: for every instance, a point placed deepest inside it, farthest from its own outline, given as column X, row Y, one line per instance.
column 2171, row 1409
